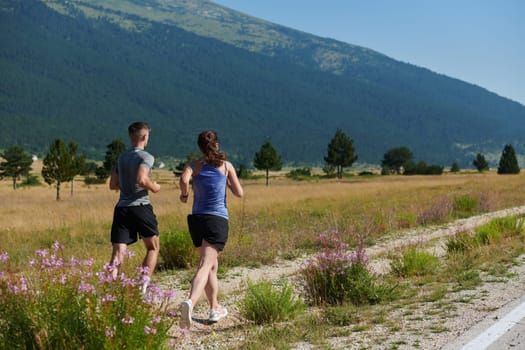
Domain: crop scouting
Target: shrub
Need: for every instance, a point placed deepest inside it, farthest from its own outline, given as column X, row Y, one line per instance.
column 177, row 250
column 414, row 262
column 31, row 180
column 263, row 303
column 465, row 206
column 63, row 304
column 336, row 276
column 91, row 180
column 299, row 174
column 461, row 243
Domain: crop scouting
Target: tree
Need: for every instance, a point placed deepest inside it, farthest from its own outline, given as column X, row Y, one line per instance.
column 267, row 159
column 480, row 163
column 16, row 163
column 395, row 159
column 61, row 163
column 113, row 151
column 340, row 152
column 508, row 163
column 454, row 168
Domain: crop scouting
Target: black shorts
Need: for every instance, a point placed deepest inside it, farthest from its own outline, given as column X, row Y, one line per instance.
column 212, row 228
column 130, row 223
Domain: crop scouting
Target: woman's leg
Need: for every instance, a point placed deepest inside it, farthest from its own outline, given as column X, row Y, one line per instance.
column 207, row 269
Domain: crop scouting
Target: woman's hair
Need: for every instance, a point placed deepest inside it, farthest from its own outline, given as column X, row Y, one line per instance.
column 209, row 146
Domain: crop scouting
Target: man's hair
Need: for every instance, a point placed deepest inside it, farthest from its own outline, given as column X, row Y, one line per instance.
column 135, row 129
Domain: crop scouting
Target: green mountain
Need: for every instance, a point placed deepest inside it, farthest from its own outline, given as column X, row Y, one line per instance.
column 83, row 70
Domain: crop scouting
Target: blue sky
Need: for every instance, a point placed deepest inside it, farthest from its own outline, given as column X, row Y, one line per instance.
column 478, row 41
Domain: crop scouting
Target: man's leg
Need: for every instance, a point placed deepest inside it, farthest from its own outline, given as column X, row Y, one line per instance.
column 152, row 253
column 117, row 257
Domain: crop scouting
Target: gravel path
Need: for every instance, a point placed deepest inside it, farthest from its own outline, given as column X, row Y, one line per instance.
column 425, row 327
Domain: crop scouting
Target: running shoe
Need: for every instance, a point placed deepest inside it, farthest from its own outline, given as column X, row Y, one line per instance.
column 186, row 308
column 218, row 313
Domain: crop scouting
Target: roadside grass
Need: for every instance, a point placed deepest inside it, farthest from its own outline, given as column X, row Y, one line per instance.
column 456, row 271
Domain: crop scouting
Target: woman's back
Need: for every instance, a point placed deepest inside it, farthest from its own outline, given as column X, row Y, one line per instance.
column 209, row 189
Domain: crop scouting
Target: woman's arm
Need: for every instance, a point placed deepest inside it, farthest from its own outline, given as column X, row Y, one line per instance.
column 233, row 181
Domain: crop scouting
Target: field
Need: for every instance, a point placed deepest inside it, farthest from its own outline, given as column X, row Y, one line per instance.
column 283, row 222
column 282, row 219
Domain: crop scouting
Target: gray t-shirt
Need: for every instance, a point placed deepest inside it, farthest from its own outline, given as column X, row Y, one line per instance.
column 131, row 194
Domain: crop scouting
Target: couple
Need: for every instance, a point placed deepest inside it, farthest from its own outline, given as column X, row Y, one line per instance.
column 208, row 223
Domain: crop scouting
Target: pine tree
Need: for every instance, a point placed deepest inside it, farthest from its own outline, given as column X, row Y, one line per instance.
column 341, row 152
column 267, row 159
column 16, row 163
column 508, row 163
column 480, row 163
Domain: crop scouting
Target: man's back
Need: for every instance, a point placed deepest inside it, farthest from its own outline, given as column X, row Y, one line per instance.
column 131, row 194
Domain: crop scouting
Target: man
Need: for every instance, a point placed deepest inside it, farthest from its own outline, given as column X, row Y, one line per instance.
column 133, row 216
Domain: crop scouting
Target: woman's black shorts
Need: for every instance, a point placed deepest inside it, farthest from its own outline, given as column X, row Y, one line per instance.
column 212, row 228
column 131, row 222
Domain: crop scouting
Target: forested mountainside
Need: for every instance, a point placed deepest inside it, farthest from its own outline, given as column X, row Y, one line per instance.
column 82, row 70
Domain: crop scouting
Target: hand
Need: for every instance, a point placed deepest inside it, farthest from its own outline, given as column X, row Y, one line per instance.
column 155, row 187
column 183, row 199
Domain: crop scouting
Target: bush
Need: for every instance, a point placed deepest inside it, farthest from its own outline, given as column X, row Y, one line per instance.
column 336, row 276
column 263, row 303
column 299, row 174
column 177, row 250
column 465, row 206
column 63, row 304
column 91, row 180
column 414, row 262
column 31, row 180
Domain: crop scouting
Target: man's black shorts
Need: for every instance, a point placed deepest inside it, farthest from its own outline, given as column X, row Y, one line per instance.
column 130, row 223
column 212, row 228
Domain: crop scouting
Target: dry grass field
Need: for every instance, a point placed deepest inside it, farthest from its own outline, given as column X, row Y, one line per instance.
column 279, row 220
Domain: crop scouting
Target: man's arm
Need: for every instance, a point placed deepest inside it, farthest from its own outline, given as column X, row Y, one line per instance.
column 114, row 183
column 144, row 181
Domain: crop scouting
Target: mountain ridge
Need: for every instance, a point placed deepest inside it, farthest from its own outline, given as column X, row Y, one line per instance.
column 249, row 96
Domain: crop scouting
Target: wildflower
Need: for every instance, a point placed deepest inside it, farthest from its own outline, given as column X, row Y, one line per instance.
column 57, row 246
column 169, row 294
column 108, row 297
column 86, row 287
column 110, row 333
column 144, row 270
column 149, row 330
column 128, row 321
column 156, row 320
column 41, row 252
column 4, row 257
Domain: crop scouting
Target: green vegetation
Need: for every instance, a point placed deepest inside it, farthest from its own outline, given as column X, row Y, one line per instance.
column 16, row 163
column 267, row 159
column 65, row 303
column 340, row 152
column 62, row 164
column 263, row 303
column 508, row 163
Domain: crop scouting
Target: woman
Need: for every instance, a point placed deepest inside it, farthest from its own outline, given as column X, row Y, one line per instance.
column 208, row 223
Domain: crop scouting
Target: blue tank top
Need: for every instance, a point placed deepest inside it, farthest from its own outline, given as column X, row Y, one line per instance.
column 209, row 192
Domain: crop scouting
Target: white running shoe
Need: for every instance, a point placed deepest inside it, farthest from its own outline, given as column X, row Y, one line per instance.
column 217, row 314
column 186, row 308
